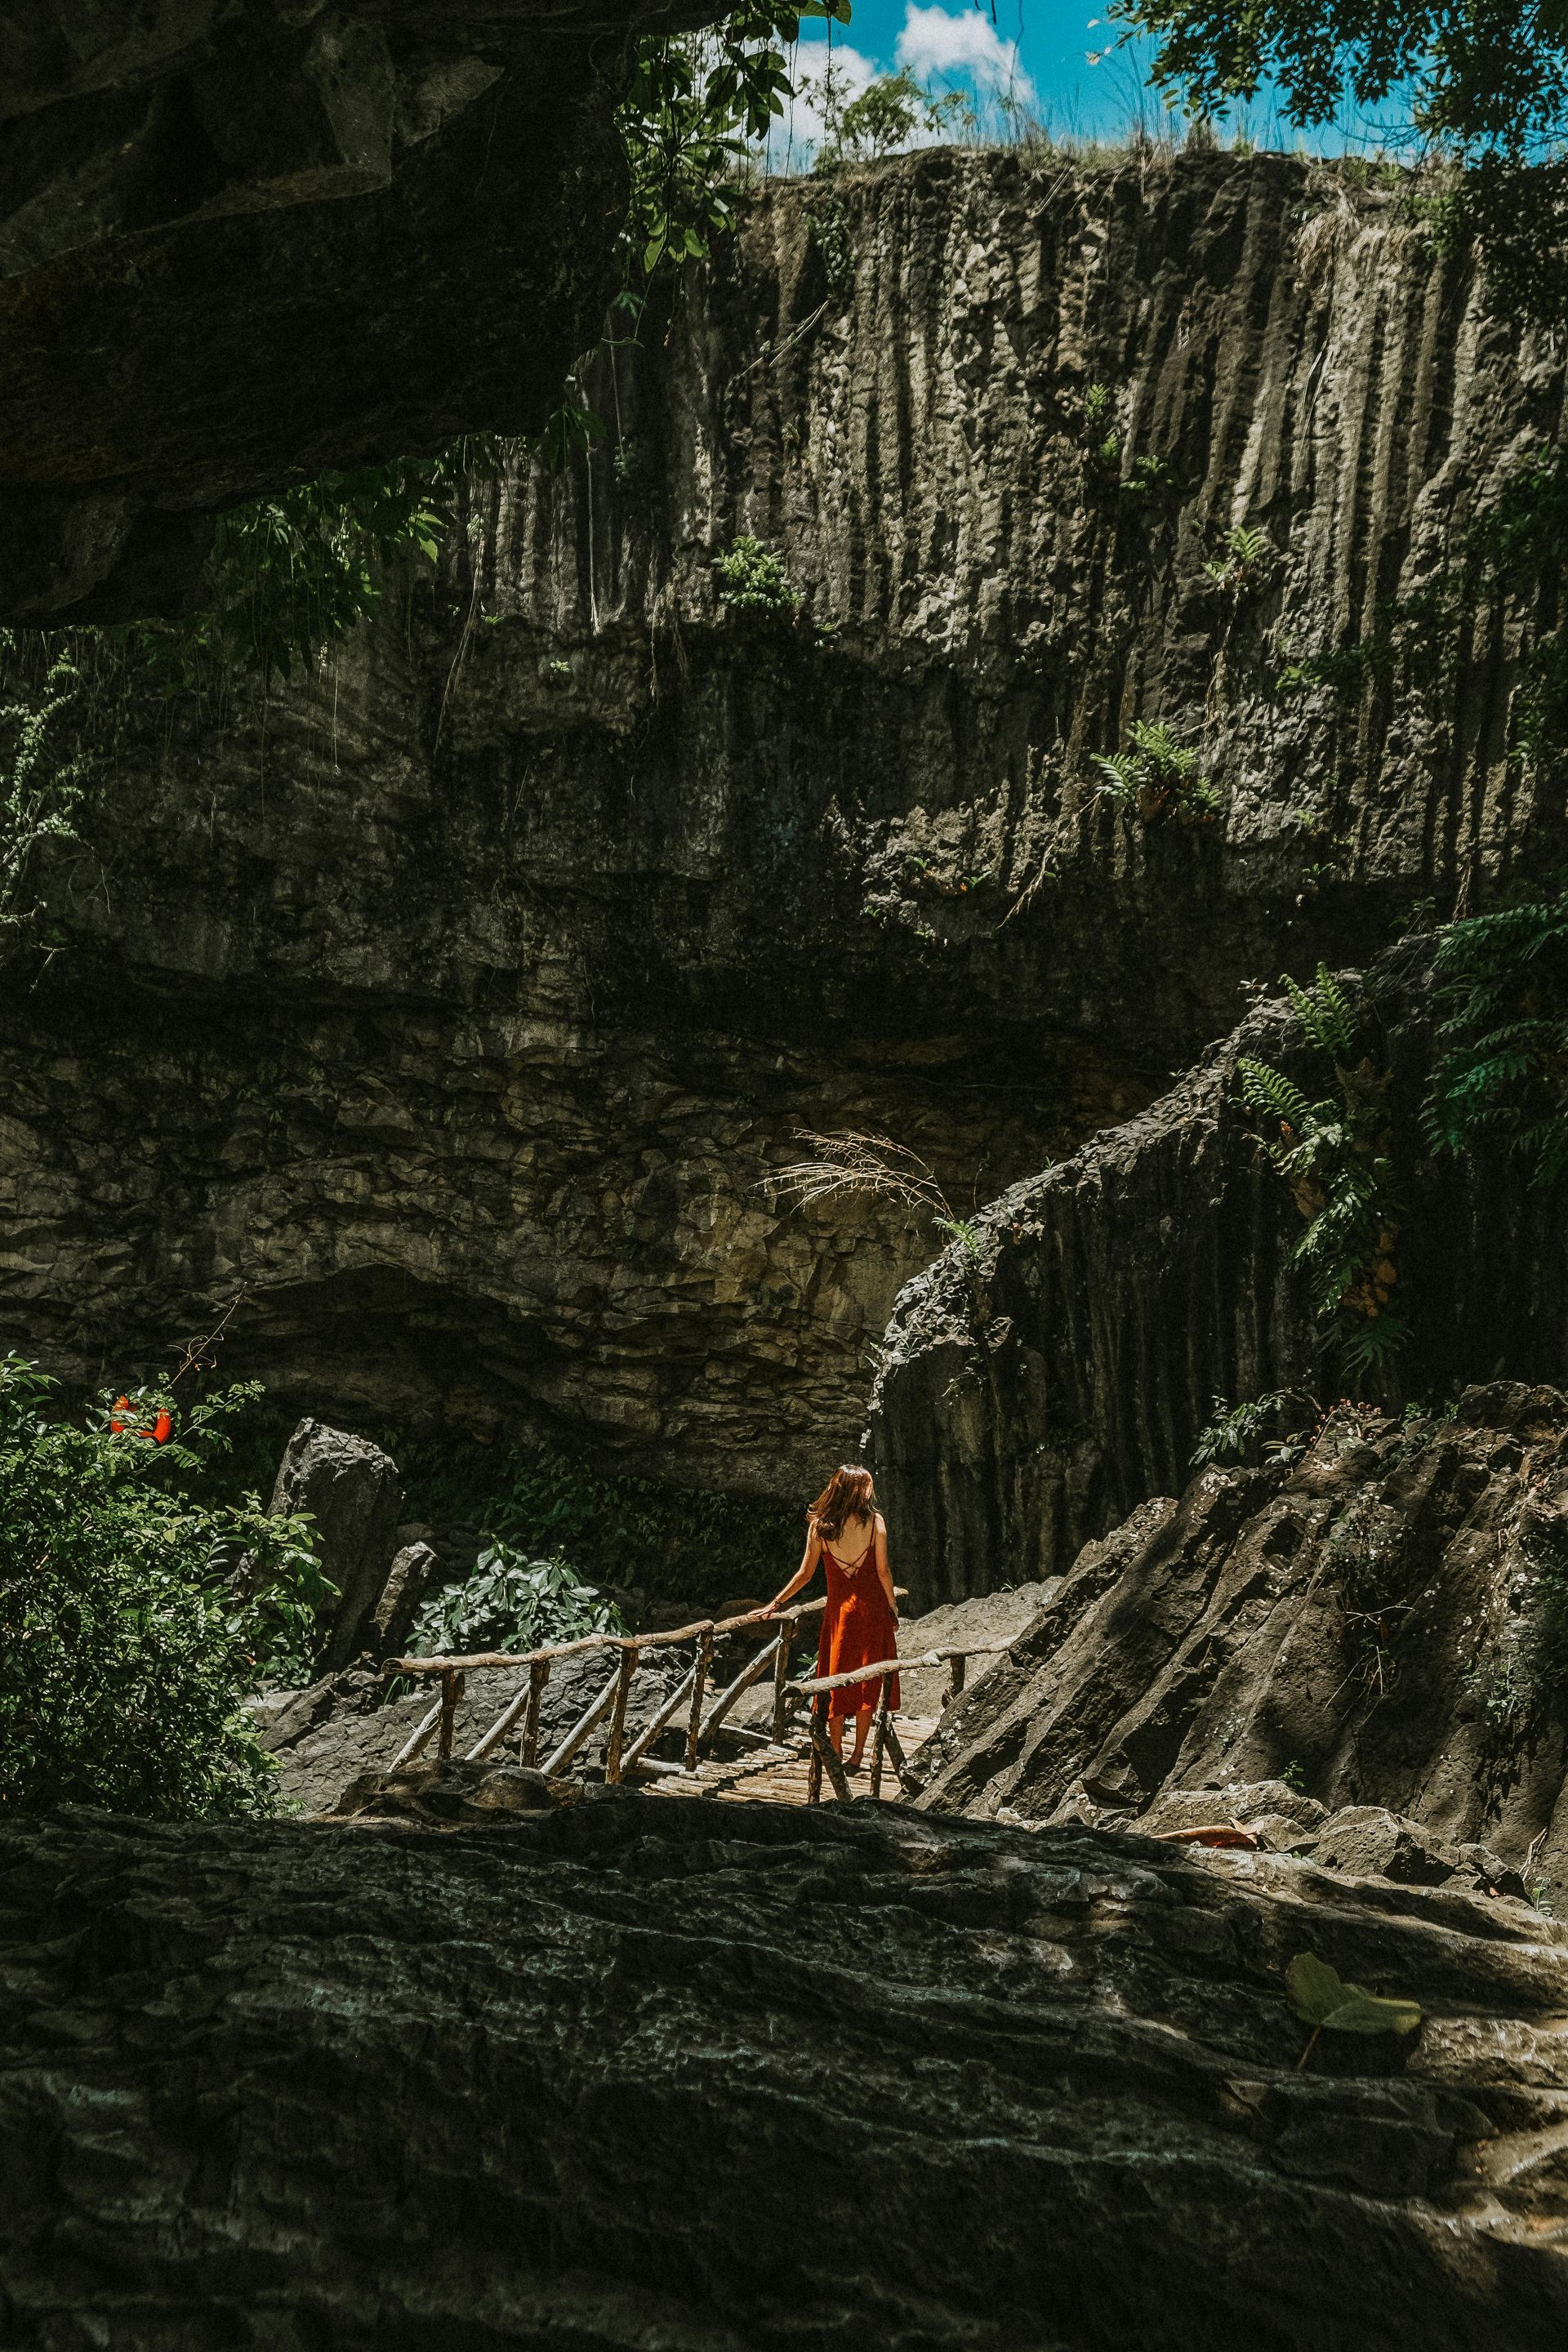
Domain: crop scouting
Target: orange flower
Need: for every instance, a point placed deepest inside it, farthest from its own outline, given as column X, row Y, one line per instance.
column 161, row 1428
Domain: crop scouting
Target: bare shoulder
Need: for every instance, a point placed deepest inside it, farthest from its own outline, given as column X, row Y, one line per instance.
column 882, row 1525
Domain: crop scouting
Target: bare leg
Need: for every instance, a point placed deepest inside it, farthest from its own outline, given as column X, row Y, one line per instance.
column 836, row 1731
column 862, row 1726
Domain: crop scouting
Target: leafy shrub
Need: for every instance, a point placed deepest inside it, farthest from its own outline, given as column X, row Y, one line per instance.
column 1237, row 1431
column 1156, row 775
column 614, row 1532
column 1335, row 1154
column 1504, row 980
column 511, row 1604
column 752, row 579
column 134, row 1621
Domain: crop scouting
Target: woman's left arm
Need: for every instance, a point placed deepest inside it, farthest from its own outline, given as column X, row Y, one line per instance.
column 883, row 1570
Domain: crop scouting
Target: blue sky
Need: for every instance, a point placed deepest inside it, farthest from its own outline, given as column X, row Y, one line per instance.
column 1040, row 51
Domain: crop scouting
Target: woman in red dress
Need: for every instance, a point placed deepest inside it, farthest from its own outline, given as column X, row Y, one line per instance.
column 847, row 1533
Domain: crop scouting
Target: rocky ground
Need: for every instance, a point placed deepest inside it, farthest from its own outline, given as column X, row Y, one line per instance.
column 627, row 2072
column 1373, row 1622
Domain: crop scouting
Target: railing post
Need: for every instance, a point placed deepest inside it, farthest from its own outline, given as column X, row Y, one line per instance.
column 698, row 1691
column 813, row 1770
column 538, row 1675
column 618, row 1717
column 451, row 1692
column 955, row 1678
column 879, row 1739
column 787, row 1627
column 826, row 1755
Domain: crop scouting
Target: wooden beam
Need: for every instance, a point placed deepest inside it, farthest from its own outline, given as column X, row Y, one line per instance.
column 451, row 1692
column 617, row 1738
column 751, row 1672
column 417, row 1740
column 699, row 1689
column 596, row 1709
column 661, row 1721
column 880, row 1739
column 781, row 1683
column 538, row 1675
column 504, row 1720
column 830, row 1761
column 814, row 1770
column 486, row 1658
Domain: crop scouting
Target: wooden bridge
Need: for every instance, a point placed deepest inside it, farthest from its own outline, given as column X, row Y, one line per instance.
column 785, row 1767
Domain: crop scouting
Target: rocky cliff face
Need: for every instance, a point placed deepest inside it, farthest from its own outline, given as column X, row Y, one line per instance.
column 456, row 1007
column 1378, row 1617
column 638, row 2072
column 377, row 226
column 1039, row 1383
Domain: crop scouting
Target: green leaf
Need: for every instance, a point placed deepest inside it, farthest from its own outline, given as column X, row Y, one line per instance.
column 1320, row 1998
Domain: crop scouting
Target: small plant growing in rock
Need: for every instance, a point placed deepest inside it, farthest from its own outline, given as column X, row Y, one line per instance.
column 1503, row 978
column 851, row 1162
column 1248, row 556
column 752, row 579
column 1156, row 775
column 43, row 775
column 1236, row 1431
column 1335, row 1154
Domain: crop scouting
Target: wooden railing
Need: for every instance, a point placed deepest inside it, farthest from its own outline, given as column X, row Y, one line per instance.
column 703, row 1716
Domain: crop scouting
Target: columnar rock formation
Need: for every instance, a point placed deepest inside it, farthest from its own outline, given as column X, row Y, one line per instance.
column 1043, row 1379
column 456, row 1007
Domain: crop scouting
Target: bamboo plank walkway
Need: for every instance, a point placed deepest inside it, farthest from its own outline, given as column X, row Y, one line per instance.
column 778, row 1776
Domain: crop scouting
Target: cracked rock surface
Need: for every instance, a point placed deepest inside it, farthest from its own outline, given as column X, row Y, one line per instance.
column 642, row 2073
column 1378, row 1621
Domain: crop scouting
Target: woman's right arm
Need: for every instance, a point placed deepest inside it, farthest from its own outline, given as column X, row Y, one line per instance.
column 804, row 1573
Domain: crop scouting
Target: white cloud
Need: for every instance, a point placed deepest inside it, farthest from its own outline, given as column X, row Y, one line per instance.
column 935, row 44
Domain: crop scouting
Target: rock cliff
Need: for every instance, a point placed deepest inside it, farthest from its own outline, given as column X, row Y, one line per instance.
column 1377, row 1617
column 378, row 225
column 636, row 2072
column 456, row 1005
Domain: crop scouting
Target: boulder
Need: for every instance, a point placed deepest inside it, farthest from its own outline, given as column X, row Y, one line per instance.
column 350, row 1487
column 413, row 1568
column 743, row 2078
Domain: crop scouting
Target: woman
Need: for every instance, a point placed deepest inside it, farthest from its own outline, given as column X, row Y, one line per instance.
column 860, row 1624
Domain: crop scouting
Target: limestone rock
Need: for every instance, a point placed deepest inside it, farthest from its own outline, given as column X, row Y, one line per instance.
column 1039, row 1387
column 743, row 2079
column 456, row 1004
column 1341, row 1621
column 378, row 225
column 414, row 1566
column 350, row 1489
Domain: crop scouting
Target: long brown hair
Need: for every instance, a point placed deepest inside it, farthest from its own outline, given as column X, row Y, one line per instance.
column 848, row 1495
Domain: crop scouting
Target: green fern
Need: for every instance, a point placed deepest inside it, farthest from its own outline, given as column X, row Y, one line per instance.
column 1335, row 1155
column 1155, row 774
column 1503, row 982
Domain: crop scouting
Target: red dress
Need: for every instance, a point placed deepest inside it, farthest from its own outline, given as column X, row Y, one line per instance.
column 859, row 1629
